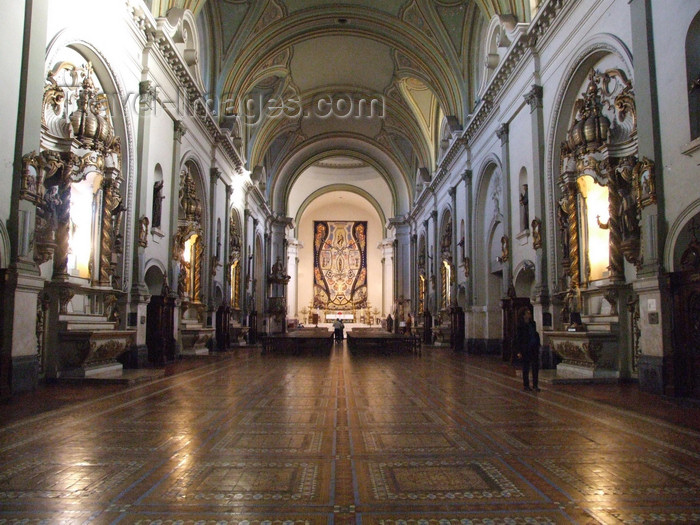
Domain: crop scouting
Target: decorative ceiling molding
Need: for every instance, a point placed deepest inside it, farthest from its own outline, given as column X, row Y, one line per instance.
column 273, row 11
column 412, row 15
column 422, row 55
column 344, row 164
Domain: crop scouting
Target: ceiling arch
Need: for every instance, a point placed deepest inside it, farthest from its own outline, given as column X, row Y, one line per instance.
column 416, row 54
column 341, row 187
column 308, row 152
column 390, row 117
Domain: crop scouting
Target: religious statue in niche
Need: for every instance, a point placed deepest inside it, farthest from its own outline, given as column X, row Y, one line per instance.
column 50, row 206
column 524, row 209
column 46, row 224
column 563, row 222
column 117, row 213
column 157, row 203
column 505, row 250
column 645, row 182
column 627, row 212
column 143, row 231
column 446, row 242
column 182, row 278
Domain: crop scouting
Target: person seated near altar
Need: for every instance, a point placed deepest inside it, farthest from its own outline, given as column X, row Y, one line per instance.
column 338, row 327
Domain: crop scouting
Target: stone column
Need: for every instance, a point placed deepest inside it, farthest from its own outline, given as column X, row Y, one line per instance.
column 293, row 247
column 502, row 134
column 655, row 362
column 179, row 132
column 246, row 261
column 387, row 248
column 436, row 264
column 413, row 271
column 227, row 245
column 140, row 295
column 214, row 258
column 454, row 263
column 23, row 283
column 538, row 224
column 469, row 238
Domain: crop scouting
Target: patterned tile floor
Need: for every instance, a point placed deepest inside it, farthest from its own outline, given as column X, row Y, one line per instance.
column 441, row 439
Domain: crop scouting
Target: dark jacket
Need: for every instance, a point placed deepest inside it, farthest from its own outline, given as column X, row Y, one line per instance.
column 527, row 340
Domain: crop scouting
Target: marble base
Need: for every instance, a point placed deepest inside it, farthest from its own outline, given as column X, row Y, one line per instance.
column 25, row 373
column 194, row 340
column 651, row 374
column 574, row 373
column 74, row 373
column 83, row 352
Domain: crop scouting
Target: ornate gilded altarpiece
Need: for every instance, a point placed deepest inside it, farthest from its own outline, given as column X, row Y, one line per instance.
column 340, row 265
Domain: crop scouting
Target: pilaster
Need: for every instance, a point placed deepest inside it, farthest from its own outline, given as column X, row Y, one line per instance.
column 537, row 197
column 23, row 284
column 503, row 134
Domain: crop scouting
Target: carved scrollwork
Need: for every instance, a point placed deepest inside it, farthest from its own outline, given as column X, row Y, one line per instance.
column 587, row 354
column 106, row 352
column 645, row 182
column 189, row 201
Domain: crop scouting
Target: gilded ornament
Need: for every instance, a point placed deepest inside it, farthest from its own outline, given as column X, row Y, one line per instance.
column 536, row 226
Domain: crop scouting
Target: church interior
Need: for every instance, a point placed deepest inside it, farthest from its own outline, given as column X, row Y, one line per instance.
column 200, row 190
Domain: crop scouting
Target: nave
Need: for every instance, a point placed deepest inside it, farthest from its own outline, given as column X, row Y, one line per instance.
column 400, row 440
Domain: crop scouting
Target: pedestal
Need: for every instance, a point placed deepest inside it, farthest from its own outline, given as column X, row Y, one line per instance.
column 586, row 356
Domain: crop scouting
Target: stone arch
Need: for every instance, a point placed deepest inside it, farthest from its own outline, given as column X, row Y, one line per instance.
column 524, row 278
column 342, row 187
column 347, row 145
column 486, row 213
column 679, row 235
column 155, row 276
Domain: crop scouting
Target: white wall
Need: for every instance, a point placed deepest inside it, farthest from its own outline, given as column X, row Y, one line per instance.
column 12, row 26
column 340, row 206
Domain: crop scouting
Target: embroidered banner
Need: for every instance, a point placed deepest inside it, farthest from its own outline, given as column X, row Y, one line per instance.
column 340, row 265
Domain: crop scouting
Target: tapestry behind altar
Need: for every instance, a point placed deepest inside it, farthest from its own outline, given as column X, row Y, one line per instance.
column 340, row 265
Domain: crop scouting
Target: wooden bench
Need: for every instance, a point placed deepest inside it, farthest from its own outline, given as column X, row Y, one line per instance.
column 381, row 342
column 312, row 340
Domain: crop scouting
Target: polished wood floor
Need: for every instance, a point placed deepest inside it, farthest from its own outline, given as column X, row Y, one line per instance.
column 440, row 439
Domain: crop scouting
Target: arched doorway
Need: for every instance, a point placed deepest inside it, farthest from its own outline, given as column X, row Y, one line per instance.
column 684, row 367
column 160, row 314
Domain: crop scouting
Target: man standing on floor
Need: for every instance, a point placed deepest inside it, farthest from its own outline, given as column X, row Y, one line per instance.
column 527, row 340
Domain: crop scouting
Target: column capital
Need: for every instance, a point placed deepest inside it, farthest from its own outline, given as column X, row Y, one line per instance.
column 180, row 129
column 452, row 192
column 467, row 176
column 434, row 215
column 502, row 133
column 534, row 97
column 148, row 94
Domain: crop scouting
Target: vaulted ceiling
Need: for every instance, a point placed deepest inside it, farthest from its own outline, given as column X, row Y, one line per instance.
column 366, row 78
